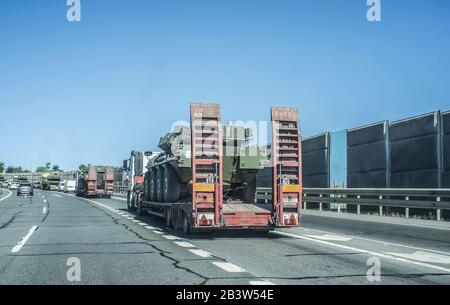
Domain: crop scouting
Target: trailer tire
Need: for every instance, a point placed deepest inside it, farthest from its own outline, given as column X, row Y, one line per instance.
column 147, row 186
column 168, row 217
column 172, row 187
column 152, row 185
column 186, row 224
column 159, row 185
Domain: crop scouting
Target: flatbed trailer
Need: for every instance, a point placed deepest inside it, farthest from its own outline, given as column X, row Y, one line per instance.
column 207, row 210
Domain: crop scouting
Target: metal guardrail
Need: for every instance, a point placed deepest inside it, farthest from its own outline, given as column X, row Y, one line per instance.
column 434, row 199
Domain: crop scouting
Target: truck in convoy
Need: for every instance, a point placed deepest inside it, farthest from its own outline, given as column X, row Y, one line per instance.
column 50, row 181
column 205, row 176
column 134, row 170
column 96, row 181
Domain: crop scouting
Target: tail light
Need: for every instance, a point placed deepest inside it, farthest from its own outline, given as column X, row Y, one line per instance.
column 205, row 219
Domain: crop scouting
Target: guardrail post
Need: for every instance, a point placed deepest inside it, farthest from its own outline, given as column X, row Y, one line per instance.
column 381, row 207
column 407, row 209
column 438, row 211
column 320, row 204
column 358, row 209
column 338, row 207
column 305, row 206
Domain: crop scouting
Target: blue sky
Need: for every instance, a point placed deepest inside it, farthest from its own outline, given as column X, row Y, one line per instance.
column 89, row 92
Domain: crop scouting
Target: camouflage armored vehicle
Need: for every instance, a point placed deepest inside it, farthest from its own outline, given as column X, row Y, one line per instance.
column 50, row 181
column 169, row 175
column 96, row 181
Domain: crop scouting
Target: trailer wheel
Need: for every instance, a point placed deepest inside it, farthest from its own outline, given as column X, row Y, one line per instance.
column 248, row 193
column 186, row 224
column 168, row 217
column 152, row 185
column 159, row 185
column 147, row 186
column 171, row 187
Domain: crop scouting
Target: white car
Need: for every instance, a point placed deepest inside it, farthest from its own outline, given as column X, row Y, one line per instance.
column 70, row 186
column 61, row 186
column 14, row 186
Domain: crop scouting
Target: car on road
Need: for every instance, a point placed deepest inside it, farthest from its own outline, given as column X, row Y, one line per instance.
column 14, row 185
column 37, row 185
column 25, row 188
column 70, row 186
column 61, row 186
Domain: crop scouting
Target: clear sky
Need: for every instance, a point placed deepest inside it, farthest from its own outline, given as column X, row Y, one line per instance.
column 91, row 91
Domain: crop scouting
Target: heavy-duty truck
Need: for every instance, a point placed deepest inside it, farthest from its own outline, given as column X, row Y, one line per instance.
column 134, row 170
column 96, row 181
column 50, row 181
column 205, row 178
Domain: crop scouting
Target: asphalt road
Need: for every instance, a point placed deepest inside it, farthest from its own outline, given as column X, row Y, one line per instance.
column 44, row 238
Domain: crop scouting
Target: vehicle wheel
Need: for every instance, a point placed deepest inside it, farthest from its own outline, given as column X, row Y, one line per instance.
column 147, row 186
column 129, row 206
column 186, row 224
column 159, row 185
column 171, row 185
column 139, row 209
column 152, row 190
column 248, row 193
column 168, row 218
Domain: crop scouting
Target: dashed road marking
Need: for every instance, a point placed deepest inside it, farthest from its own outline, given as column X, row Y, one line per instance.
column 135, row 220
column 149, row 227
column 22, row 242
column 331, row 237
column 229, row 267
column 44, row 210
column 201, row 253
column 141, row 223
column 422, row 256
column 170, row 237
column 56, row 195
column 184, row 244
column 261, row 283
column 157, row 232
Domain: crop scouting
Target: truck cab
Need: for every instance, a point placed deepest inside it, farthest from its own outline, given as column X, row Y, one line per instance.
column 134, row 170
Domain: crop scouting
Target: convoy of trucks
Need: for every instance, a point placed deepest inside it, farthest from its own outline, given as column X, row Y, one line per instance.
column 205, row 176
column 96, row 181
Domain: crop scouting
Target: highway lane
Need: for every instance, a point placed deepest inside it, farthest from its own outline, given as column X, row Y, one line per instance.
column 110, row 248
column 116, row 247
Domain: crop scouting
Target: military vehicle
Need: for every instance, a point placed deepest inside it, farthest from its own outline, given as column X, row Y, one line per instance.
column 96, row 181
column 50, row 181
column 169, row 174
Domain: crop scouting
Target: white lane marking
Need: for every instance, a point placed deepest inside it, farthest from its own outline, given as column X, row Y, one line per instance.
column 373, row 253
column 45, row 200
column 10, row 193
column 57, row 195
column 22, row 242
column 170, row 237
column 331, row 237
column 229, row 267
column 383, row 242
column 118, row 198
column 43, row 196
column 426, row 257
column 44, row 210
column 200, row 252
column 157, row 232
column 261, row 283
column 149, row 227
column 135, row 220
column 184, row 244
column 141, row 223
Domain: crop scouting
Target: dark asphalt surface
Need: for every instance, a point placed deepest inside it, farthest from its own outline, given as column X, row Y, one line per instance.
column 117, row 247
